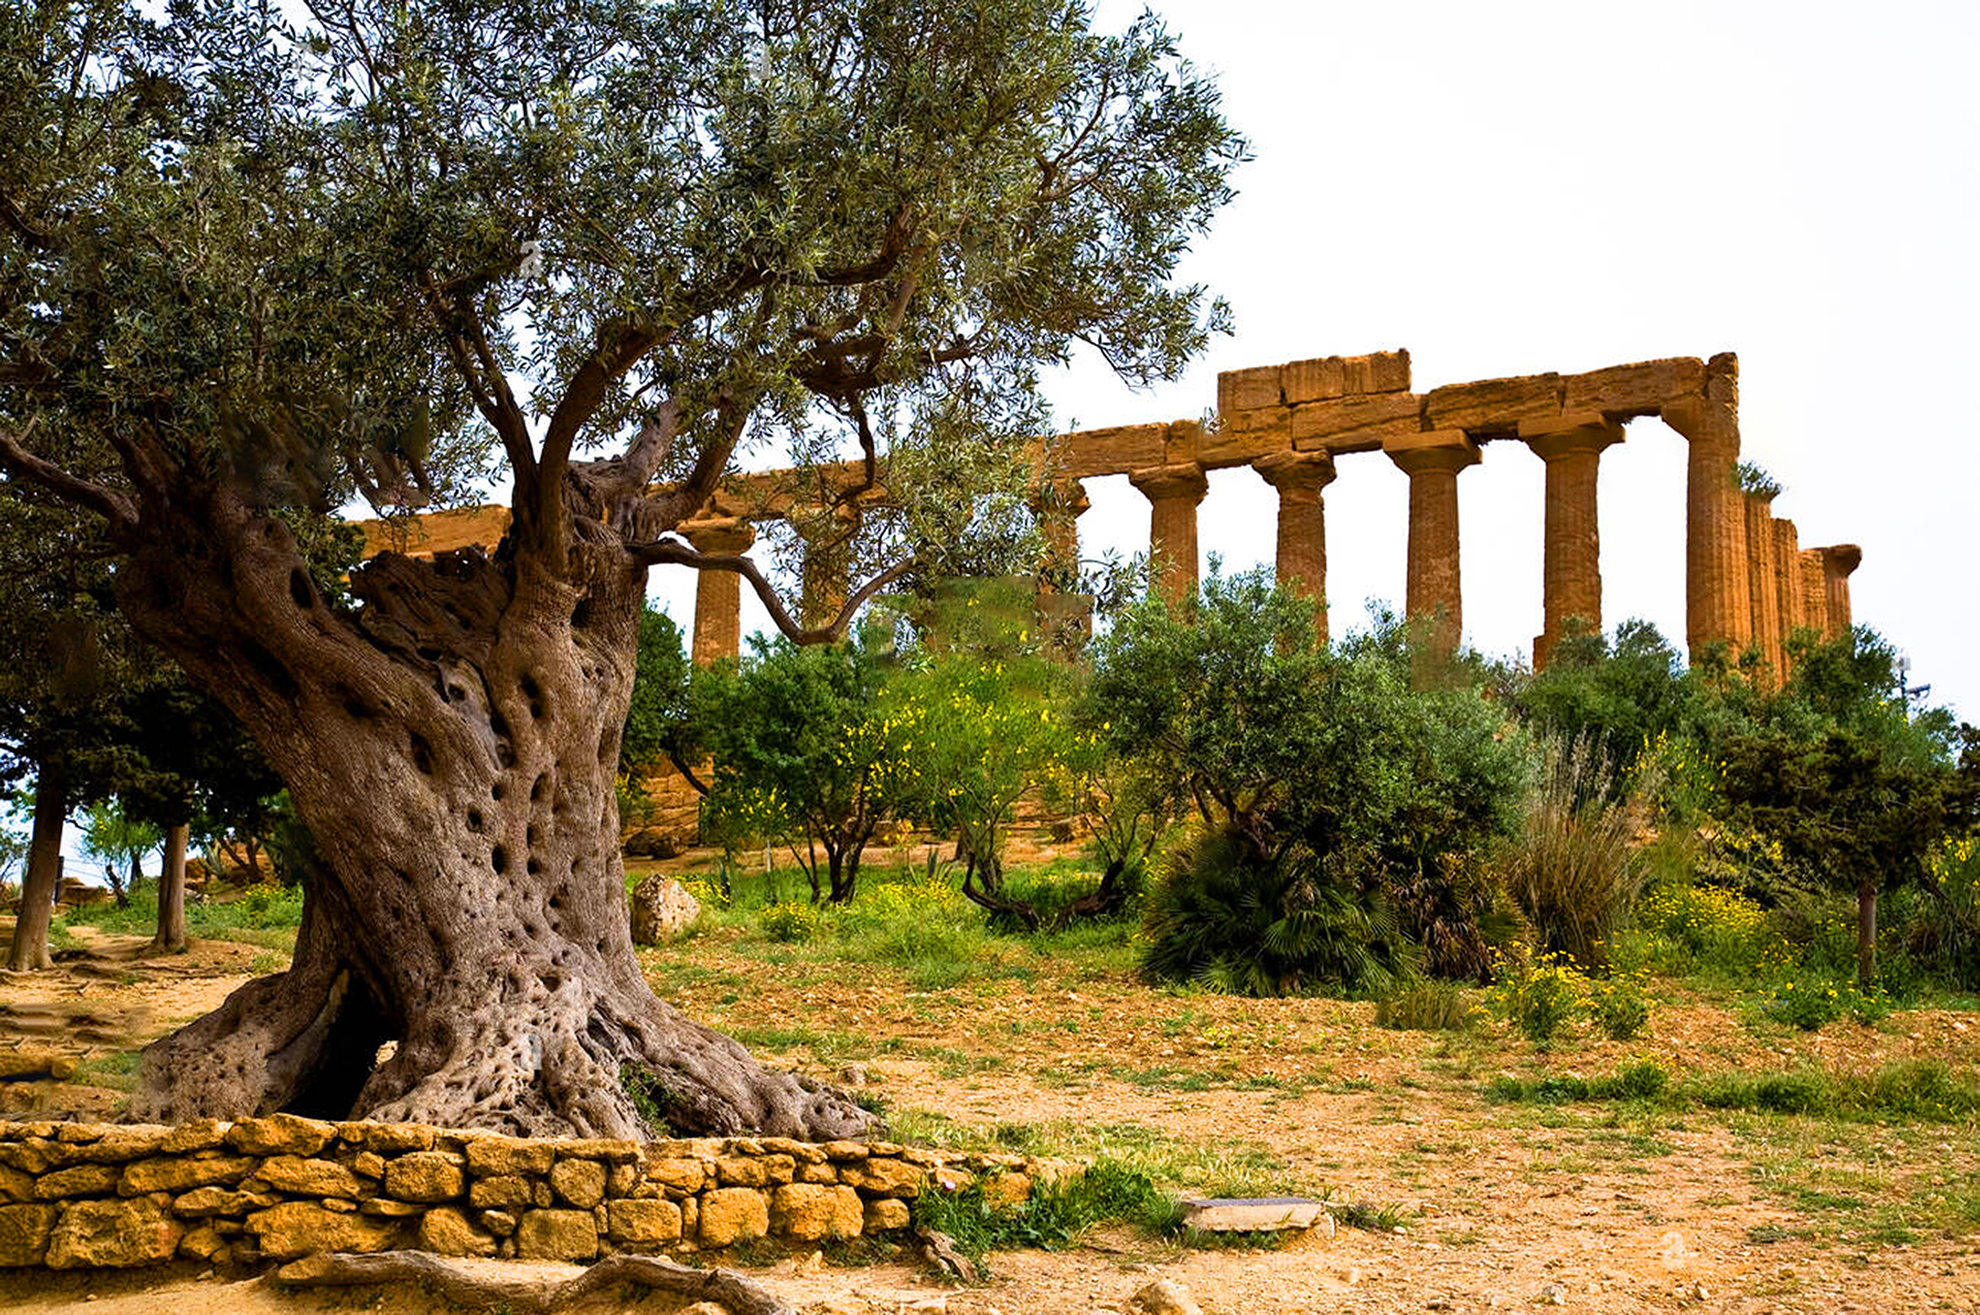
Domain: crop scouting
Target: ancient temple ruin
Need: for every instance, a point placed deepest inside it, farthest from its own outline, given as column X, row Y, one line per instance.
column 1748, row 581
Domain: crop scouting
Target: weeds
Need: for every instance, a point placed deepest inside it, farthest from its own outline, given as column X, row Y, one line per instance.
column 1428, row 1006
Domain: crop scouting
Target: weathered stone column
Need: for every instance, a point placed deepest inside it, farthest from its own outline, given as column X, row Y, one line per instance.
column 1572, row 448
column 1787, row 585
column 1058, row 508
column 1839, row 562
column 1716, row 605
column 1432, row 461
column 1763, row 582
column 1814, row 591
column 718, row 594
column 1300, row 478
column 1173, row 493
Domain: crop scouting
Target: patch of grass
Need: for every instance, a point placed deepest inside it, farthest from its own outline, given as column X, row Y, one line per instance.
column 1643, row 1080
column 1427, row 1006
column 1915, row 1091
column 1053, row 1217
column 118, row 1071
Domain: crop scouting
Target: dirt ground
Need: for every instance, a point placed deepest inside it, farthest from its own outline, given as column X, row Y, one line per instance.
column 1588, row 1207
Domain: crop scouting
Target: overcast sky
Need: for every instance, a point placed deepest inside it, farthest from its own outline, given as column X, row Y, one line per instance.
column 1515, row 188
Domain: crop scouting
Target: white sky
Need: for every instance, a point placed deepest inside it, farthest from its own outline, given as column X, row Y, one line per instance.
column 1514, row 188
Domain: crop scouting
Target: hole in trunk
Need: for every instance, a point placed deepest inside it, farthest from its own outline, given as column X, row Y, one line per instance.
column 536, row 790
column 530, row 833
column 532, row 867
column 581, row 614
column 534, row 693
column 272, row 672
column 495, row 792
column 422, row 754
column 551, row 981
column 474, row 820
column 500, row 858
column 608, row 745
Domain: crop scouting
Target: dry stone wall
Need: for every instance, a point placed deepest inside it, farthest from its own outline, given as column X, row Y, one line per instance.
column 76, row 1196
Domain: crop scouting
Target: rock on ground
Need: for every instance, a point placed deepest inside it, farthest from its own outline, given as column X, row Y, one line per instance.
column 661, row 910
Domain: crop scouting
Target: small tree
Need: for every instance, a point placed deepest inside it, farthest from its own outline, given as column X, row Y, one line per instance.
column 804, row 745
column 660, row 720
column 113, row 834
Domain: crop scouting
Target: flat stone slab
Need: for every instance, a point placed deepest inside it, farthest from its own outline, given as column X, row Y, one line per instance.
column 1253, row 1214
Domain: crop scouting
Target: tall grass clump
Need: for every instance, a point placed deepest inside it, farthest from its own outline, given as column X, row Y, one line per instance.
column 1573, row 869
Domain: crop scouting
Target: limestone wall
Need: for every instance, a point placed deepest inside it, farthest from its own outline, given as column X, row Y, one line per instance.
column 269, row 1189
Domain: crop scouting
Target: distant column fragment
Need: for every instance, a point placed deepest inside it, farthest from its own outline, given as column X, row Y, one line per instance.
column 718, row 594
column 1839, row 562
column 1763, row 581
column 1300, row 478
column 1715, row 570
column 1572, row 448
column 1432, row 461
column 1173, row 493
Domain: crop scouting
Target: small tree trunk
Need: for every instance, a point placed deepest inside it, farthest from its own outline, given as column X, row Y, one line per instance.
column 171, row 937
column 1866, row 935
column 43, row 876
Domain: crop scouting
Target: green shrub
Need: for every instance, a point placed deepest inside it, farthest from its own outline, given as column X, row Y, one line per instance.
column 1810, row 1003
column 1713, row 929
column 1537, row 994
column 1225, row 917
column 791, row 922
column 1427, row 1006
column 1572, row 868
column 1644, row 1079
column 1938, row 924
column 1052, row 1217
column 1617, row 1006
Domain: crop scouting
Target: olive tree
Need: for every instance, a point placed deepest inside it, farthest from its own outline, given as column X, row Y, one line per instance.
column 258, row 260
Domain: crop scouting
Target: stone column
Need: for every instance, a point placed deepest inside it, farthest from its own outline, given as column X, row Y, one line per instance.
column 1787, row 585
column 1432, row 461
column 1763, row 581
column 718, row 594
column 1839, row 562
column 1572, row 448
column 1716, row 605
column 1814, row 591
column 1173, row 493
column 1058, row 508
column 1300, row 478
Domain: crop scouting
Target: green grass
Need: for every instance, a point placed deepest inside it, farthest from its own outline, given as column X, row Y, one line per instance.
column 1053, row 1217
column 118, row 1071
column 1913, row 1091
column 265, row 917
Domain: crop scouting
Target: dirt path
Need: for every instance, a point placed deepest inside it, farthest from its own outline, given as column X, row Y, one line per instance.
column 1503, row 1207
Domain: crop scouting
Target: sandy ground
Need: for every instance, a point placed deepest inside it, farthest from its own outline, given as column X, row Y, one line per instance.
column 1504, row 1207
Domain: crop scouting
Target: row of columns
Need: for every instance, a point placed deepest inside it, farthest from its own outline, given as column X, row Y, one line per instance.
column 1748, row 582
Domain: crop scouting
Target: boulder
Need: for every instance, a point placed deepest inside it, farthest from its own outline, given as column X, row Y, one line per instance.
column 299, row 1227
column 809, row 1212
column 1164, row 1297
column 113, row 1235
column 426, row 1176
column 24, row 1231
column 661, row 910
column 887, row 1215
column 557, row 1235
column 733, row 1214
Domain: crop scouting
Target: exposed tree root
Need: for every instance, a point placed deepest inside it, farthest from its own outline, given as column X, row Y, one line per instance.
column 531, row 1294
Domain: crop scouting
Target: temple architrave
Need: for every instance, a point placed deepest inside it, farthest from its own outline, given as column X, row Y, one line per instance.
column 1748, row 581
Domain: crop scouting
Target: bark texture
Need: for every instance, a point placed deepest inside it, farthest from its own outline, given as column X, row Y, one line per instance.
column 530, row 1293
column 171, row 935
column 29, row 950
column 452, row 747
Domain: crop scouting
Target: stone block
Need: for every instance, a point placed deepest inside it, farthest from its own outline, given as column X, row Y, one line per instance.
column 489, row 1157
column 81, row 1180
column 384, row 1207
column 1256, row 1214
column 389, row 1138
column 25, row 1156
column 681, row 1175
column 741, row 1171
column 24, row 1231
column 1377, row 372
column 809, row 1213
column 206, row 1202
column 15, row 1185
column 845, row 1150
column 297, row 1228
column 280, row 1134
column 507, row 1192
column 1317, row 380
column 1633, row 390
column 199, row 1135
column 204, row 1242
column 557, row 1235
column 612, row 1150
column 733, row 1214
column 887, row 1215
column 445, row 1231
column 883, row 1176
column 113, row 1235
column 368, row 1164
column 1114, row 451
column 1002, row 1190
column 1493, row 405
column 643, row 1223
column 426, row 1176
column 115, row 1146
column 803, row 1152
column 499, row 1222
column 1354, row 424
column 171, row 1174
column 300, row 1177
column 817, row 1173
column 579, row 1182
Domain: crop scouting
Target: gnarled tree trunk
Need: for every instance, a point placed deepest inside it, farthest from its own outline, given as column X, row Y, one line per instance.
column 171, row 935
column 452, row 749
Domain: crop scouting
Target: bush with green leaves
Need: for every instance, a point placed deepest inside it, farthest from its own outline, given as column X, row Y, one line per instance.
column 1339, row 812
column 808, row 750
column 1538, row 994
